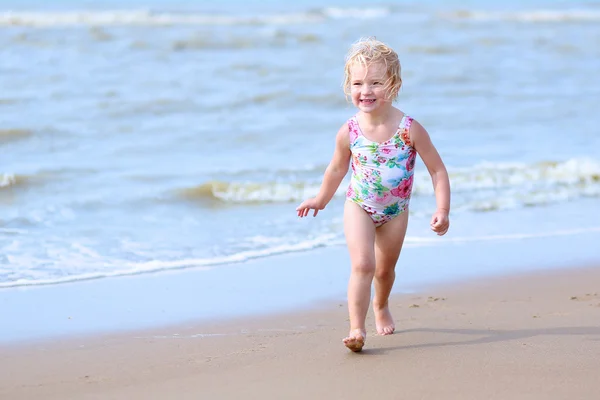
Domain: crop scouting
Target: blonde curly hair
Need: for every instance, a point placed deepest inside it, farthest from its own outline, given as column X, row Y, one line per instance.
column 368, row 51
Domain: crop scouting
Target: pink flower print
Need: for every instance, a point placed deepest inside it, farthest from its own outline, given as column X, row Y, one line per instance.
column 410, row 163
column 368, row 176
column 350, row 192
column 381, row 160
column 405, row 137
column 369, row 210
column 403, row 189
column 382, row 199
column 356, row 160
column 386, row 150
column 353, row 133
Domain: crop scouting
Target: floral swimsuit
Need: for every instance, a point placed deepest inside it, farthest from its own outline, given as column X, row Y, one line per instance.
column 382, row 173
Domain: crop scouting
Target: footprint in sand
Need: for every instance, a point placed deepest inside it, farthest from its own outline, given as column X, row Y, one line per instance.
column 434, row 299
column 586, row 297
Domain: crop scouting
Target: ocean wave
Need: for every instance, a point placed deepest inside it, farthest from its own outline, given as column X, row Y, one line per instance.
column 282, row 96
column 159, row 106
column 329, row 100
column 9, row 135
column 281, row 172
column 249, row 192
column 124, row 268
column 578, row 172
column 439, row 49
column 277, row 38
column 151, row 18
column 355, row 13
column 500, row 237
column 483, row 187
column 568, row 15
column 9, row 179
column 29, row 276
column 326, row 99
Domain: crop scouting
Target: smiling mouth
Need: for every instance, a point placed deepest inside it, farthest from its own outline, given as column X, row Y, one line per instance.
column 368, row 101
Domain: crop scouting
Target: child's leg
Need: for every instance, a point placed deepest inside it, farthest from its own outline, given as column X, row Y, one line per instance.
column 360, row 237
column 389, row 238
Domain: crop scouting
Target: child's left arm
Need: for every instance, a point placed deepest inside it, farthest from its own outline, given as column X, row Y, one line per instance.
column 439, row 176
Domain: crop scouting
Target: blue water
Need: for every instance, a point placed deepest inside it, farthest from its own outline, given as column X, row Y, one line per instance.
column 281, row 283
column 157, row 135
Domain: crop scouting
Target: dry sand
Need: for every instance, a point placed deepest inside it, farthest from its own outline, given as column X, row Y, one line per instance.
column 535, row 336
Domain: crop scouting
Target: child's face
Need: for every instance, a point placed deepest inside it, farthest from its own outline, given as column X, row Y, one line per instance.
column 368, row 86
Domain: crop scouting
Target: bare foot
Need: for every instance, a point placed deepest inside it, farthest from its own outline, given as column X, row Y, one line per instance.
column 355, row 340
column 384, row 323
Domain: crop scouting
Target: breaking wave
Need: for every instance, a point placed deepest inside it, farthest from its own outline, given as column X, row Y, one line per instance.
column 10, row 135
column 569, row 15
column 152, row 18
column 8, row 180
column 483, row 187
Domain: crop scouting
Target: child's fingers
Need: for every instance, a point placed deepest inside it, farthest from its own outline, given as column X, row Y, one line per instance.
column 440, row 226
column 442, row 229
column 304, row 210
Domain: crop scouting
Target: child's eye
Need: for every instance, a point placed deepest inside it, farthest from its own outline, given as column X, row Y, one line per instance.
column 376, row 83
column 356, row 83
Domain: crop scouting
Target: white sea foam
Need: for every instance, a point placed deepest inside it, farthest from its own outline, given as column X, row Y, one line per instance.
column 357, row 13
column 503, row 237
column 7, row 179
column 149, row 18
column 568, row 15
column 142, row 17
column 115, row 268
column 485, row 186
column 105, row 268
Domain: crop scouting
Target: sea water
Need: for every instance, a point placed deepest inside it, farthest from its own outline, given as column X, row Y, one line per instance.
column 143, row 136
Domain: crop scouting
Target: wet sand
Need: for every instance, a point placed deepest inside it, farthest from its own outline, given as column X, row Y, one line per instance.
column 533, row 336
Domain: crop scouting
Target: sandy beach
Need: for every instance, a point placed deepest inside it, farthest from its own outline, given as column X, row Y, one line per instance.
column 153, row 154
column 531, row 336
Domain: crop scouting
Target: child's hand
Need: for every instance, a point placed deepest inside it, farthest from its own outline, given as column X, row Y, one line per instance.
column 307, row 205
column 440, row 222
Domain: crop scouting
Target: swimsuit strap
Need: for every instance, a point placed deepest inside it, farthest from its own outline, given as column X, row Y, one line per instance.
column 405, row 129
column 353, row 129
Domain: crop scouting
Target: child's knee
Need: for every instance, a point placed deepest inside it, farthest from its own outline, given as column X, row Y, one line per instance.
column 385, row 274
column 364, row 267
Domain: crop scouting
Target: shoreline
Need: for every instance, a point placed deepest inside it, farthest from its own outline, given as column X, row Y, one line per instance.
column 259, row 287
column 538, row 330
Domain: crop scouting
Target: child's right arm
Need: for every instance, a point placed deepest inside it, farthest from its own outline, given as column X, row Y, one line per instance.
column 334, row 174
